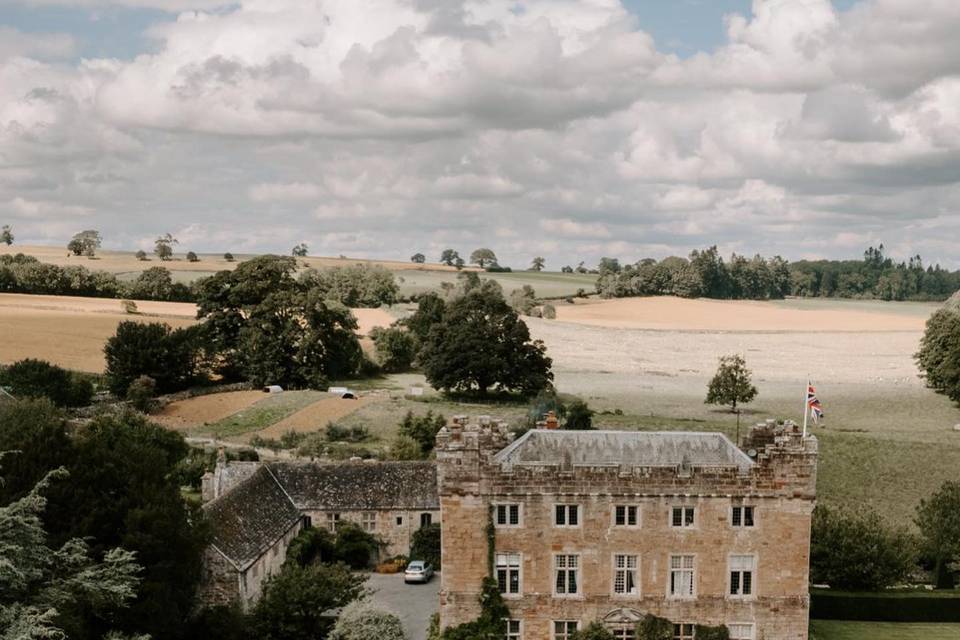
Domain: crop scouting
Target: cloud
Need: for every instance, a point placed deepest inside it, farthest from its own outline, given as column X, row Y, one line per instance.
column 549, row 127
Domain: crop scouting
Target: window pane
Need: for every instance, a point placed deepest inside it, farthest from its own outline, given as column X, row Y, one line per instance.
column 572, row 514
column 572, row 581
column 677, row 517
column 748, row 516
column 561, row 515
column 621, row 518
column 501, row 514
column 688, row 517
column 632, row 516
column 734, row 582
column 737, row 513
column 747, row 582
column 514, row 514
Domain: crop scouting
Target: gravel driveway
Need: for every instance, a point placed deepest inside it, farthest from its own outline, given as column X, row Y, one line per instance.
column 413, row 603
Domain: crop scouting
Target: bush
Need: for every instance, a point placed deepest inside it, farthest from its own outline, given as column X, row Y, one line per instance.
column 891, row 606
column 706, row 632
column 596, row 631
column 140, row 393
column 939, row 355
column 360, row 621
column 423, row 429
column 396, row 348
column 354, row 546
column 129, row 306
column 359, row 285
column 654, row 628
column 425, row 545
column 32, row 378
column 549, row 312
column 311, row 546
column 228, row 257
column 405, row 448
column 336, row 433
column 858, row 550
column 141, row 255
column 192, row 257
column 579, row 416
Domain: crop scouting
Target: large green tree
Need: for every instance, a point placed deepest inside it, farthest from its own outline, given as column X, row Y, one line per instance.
column 483, row 257
column 43, row 588
column 939, row 355
column 85, row 243
column 480, row 344
column 938, row 518
column 39, row 379
column 172, row 357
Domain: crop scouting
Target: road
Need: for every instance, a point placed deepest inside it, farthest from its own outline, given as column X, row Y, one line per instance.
column 412, row 603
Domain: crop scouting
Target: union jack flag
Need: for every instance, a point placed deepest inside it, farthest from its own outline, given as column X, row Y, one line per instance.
column 813, row 404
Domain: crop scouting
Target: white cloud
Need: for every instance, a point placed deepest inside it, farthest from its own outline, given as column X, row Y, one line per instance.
column 553, row 127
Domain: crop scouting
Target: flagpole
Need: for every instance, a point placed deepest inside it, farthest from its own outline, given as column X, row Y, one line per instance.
column 806, row 409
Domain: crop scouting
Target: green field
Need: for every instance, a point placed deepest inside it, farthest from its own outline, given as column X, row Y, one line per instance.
column 840, row 630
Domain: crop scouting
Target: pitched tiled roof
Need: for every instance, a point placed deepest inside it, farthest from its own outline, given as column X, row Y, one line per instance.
column 250, row 518
column 359, row 485
column 630, row 448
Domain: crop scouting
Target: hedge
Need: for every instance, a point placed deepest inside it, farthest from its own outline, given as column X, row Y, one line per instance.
column 888, row 606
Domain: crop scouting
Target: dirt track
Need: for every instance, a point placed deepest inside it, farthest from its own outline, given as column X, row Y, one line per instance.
column 196, row 412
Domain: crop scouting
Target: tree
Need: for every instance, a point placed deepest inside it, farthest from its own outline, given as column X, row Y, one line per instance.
column 163, row 246
column 430, row 309
column 482, row 343
column 449, row 257
column 299, row 251
column 405, row 448
column 653, row 627
column 537, row 264
column 170, row 356
column 423, row 429
column 858, row 551
column 523, row 300
column 609, row 265
column 418, row 258
column 356, row 286
column 155, row 283
column 228, row 257
column 939, row 355
column 85, row 243
column 299, row 340
column 483, row 257
column 360, row 621
column 566, row 269
column 6, row 235
column 579, row 416
column 192, row 257
column 354, row 547
column 396, row 348
column 731, row 385
column 39, row 379
column 46, row 587
column 140, row 393
column 938, row 519
column 37, row 431
column 141, row 255
column 425, row 545
column 296, row 602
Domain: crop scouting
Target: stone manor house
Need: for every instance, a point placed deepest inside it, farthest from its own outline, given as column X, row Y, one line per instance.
column 256, row 509
column 612, row 525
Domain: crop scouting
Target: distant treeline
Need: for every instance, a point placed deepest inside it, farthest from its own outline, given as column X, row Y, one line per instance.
column 706, row 274
column 358, row 285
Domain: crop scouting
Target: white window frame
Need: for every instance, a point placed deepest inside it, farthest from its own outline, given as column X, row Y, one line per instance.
column 567, row 508
column 518, row 635
column 509, row 568
column 567, row 570
column 753, row 576
column 333, row 521
column 626, row 516
column 743, row 513
column 683, row 517
column 506, row 507
column 625, row 632
column 635, row 569
column 752, row 632
column 368, row 521
column 693, row 576
column 566, row 626
column 681, row 635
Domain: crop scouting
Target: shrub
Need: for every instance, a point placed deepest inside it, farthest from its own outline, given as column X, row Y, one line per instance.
column 939, row 355
column 336, row 433
column 706, row 632
column 192, row 257
column 858, row 550
column 354, row 546
column 885, row 606
column 579, row 416
column 360, row 621
column 596, row 631
column 228, row 257
column 425, row 545
column 31, row 378
column 359, row 285
column 141, row 255
column 654, row 628
column 549, row 312
column 423, row 429
column 405, row 448
column 311, row 546
column 140, row 393
column 129, row 306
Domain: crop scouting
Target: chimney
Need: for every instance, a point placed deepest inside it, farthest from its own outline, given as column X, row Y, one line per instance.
column 551, row 421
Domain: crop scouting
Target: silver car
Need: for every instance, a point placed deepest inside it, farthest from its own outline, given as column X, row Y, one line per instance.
column 418, row 571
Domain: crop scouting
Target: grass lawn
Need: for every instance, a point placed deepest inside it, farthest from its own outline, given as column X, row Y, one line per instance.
column 841, row 630
column 261, row 415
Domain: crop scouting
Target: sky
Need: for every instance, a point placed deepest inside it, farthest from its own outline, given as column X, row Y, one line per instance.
column 557, row 128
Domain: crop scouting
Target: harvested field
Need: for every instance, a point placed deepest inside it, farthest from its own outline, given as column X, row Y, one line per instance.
column 71, row 331
column 197, row 412
column 667, row 313
column 316, row 416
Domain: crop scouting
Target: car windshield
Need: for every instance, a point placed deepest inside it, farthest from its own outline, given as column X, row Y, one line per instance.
column 416, row 566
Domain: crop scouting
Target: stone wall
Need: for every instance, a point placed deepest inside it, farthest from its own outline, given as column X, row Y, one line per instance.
column 396, row 535
column 219, row 580
column 251, row 580
column 781, row 487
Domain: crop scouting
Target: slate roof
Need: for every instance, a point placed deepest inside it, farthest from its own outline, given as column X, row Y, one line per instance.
column 250, row 518
column 354, row 486
column 623, row 448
